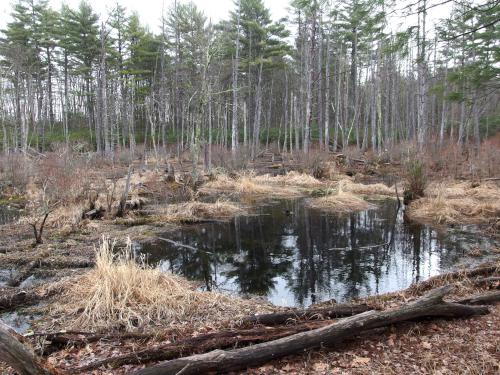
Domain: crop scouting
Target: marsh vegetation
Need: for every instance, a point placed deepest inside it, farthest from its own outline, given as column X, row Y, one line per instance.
column 242, row 185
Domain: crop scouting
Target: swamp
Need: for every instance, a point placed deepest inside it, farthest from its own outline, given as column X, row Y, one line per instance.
column 285, row 187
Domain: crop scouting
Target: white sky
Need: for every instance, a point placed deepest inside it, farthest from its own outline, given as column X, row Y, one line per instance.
column 150, row 10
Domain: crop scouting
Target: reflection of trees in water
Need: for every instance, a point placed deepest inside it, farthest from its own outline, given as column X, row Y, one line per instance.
column 261, row 257
column 320, row 256
column 328, row 257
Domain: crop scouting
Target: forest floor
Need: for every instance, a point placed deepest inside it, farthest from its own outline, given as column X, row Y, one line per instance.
column 69, row 248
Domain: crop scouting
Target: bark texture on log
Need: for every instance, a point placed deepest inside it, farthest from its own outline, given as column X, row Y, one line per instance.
column 203, row 343
column 16, row 355
column 483, row 298
column 431, row 305
column 336, row 311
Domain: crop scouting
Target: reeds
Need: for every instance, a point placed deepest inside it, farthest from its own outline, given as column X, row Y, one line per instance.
column 339, row 200
column 462, row 202
column 122, row 292
column 195, row 211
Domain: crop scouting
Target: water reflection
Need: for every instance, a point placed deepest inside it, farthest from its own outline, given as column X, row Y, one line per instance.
column 296, row 256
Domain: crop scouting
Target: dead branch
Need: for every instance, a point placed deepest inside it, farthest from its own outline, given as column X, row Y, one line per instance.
column 335, row 311
column 482, row 298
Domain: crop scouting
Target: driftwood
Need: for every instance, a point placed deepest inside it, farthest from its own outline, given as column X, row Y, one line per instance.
column 430, row 305
column 14, row 353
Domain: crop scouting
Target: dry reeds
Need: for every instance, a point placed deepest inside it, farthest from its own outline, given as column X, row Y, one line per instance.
column 195, row 211
column 368, row 190
column 242, row 184
column 245, row 183
column 292, row 178
column 450, row 203
column 339, row 200
column 123, row 292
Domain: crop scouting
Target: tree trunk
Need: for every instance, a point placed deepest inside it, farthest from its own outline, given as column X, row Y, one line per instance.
column 236, row 63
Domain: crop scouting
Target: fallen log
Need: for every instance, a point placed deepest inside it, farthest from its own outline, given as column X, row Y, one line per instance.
column 482, row 298
column 15, row 354
column 335, row 311
column 430, row 305
column 58, row 340
column 54, row 341
column 451, row 276
column 202, row 344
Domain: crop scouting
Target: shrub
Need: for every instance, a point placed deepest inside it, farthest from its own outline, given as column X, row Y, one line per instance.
column 416, row 180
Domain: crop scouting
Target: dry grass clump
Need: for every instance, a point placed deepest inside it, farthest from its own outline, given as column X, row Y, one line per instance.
column 123, row 292
column 243, row 183
column 195, row 211
column 370, row 189
column 454, row 203
column 292, row 178
column 341, row 201
column 346, row 196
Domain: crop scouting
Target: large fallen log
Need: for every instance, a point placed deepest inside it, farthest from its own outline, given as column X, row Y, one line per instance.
column 335, row 311
column 481, row 299
column 203, row 343
column 15, row 354
column 430, row 305
column 60, row 339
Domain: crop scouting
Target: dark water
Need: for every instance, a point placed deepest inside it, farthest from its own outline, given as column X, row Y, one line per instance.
column 295, row 256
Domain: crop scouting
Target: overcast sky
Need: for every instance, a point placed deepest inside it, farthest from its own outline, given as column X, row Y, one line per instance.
column 150, row 10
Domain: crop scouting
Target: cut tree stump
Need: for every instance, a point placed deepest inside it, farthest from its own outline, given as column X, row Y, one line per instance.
column 220, row 361
column 15, row 354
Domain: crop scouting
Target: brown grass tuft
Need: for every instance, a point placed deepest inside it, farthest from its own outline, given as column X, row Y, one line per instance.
column 123, row 292
column 339, row 200
column 370, row 189
column 292, row 178
column 246, row 183
column 195, row 211
column 449, row 203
